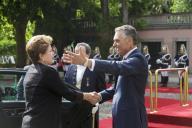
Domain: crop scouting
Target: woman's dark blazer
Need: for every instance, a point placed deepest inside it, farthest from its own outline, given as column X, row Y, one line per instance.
column 43, row 93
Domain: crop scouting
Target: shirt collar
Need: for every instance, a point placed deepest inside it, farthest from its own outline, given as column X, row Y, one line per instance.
column 128, row 53
column 81, row 67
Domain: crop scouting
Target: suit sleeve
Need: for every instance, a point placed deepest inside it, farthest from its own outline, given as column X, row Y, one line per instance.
column 107, row 94
column 55, row 84
column 100, row 82
column 131, row 66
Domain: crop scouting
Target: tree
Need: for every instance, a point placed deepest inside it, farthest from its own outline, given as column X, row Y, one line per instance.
column 105, row 8
column 181, row 6
column 124, row 11
column 6, row 29
column 18, row 13
column 58, row 22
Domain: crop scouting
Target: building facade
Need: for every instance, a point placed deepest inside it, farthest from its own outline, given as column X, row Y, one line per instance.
column 172, row 30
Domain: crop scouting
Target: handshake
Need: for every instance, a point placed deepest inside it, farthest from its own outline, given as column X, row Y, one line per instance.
column 92, row 97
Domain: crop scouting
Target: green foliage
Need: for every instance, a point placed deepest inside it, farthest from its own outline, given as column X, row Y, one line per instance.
column 7, row 36
column 140, row 24
column 7, row 33
column 6, row 29
column 7, row 47
column 18, row 13
column 7, row 43
column 30, row 30
column 181, row 6
column 19, row 10
column 149, row 7
column 91, row 9
column 108, row 25
column 114, row 8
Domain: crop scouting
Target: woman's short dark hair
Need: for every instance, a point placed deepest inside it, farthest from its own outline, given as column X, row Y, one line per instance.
column 37, row 45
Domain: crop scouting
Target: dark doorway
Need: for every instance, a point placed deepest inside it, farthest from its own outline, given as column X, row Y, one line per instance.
column 154, row 50
column 178, row 45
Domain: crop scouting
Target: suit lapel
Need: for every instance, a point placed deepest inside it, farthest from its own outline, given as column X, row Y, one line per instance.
column 74, row 74
column 86, row 79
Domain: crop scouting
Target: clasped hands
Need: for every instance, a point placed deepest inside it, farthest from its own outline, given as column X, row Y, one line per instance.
column 92, row 97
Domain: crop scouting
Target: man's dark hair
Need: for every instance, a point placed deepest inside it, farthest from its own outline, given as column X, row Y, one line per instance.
column 87, row 47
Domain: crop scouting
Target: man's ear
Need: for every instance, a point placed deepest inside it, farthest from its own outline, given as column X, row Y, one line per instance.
column 130, row 40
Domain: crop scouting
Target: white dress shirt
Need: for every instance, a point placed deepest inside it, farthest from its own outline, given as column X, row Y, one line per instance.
column 79, row 76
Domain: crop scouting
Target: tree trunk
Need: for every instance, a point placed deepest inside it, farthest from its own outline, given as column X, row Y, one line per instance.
column 124, row 11
column 20, row 30
column 105, row 8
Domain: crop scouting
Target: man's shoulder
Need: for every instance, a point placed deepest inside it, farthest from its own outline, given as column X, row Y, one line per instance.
column 137, row 53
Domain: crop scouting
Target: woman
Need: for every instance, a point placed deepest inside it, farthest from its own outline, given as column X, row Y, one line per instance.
column 43, row 87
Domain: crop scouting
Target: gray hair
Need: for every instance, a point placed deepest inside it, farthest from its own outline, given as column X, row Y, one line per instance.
column 87, row 47
column 129, row 30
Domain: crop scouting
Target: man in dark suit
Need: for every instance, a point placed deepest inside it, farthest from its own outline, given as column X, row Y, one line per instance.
column 86, row 81
column 128, row 109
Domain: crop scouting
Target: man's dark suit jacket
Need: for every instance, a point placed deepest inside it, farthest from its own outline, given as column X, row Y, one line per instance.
column 91, row 81
column 128, row 109
column 43, row 92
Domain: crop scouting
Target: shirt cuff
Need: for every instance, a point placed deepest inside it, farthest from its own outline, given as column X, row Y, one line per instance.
column 100, row 97
column 92, row 65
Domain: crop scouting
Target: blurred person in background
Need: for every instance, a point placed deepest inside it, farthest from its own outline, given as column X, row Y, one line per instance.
column 113, row 56
column 86, row 81
column 97, row 54
column 66, row 65
column 181, row 61
column 147, row 56
column 164, row 61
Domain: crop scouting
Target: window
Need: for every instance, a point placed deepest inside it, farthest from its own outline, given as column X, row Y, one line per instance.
column 10, row 85
column 154, row 50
